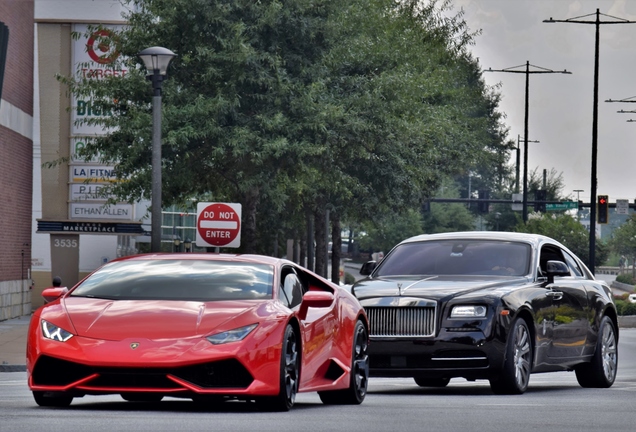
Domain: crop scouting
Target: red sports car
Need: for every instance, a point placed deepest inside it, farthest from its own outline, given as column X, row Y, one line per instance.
column 209, row 327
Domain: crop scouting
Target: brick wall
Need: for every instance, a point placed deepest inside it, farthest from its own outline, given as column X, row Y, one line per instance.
column 16, row 161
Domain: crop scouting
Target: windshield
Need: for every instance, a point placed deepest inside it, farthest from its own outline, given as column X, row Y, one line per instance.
column 457, row 257
column 197, row 280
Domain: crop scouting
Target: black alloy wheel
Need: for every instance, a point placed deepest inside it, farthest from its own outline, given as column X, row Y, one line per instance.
column 515, row 375
column 359, row 376
column 600, row 372
column 289, row 374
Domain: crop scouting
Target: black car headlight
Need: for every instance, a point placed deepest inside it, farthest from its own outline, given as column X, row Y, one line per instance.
column 53, row 332
column 234, row 335
column 468, row 311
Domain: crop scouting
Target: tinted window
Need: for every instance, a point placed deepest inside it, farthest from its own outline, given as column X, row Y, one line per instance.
column 457, row 257
column 574, row 266
column 199, row 280
column 291, row 291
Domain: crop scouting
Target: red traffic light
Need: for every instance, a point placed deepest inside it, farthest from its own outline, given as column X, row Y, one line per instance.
column 602, row 200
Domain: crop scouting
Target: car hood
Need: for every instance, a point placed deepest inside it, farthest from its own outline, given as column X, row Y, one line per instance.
column 432, row 287
column 121, row 319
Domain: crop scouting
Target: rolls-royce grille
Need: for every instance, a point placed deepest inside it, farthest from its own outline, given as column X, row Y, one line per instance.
column 401, row 321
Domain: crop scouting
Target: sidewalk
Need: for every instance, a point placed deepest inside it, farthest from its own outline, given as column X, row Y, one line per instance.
column 13, row 334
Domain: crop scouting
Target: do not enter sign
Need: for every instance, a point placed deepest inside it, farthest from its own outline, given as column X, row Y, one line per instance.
column 218, row 225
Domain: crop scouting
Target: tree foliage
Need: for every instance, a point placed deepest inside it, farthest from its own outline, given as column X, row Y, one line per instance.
column 623, row 241
column 293, row 107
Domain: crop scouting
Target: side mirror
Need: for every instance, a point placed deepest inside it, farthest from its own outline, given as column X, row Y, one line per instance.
column 556, row 268
column 367, row 268
column 52, row 294
column 315, row 299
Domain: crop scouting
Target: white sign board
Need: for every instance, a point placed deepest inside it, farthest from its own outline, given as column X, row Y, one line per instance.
column 89, row 192
column 92, row 173
column 517, row 204
column 622, row 206
column 82, row 210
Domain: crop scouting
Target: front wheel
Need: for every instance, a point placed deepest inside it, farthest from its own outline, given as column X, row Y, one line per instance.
column 431, row 382
column 52, row 399
column 289, row 374
column 359, row 375
column 515, row 375
column 600, row 372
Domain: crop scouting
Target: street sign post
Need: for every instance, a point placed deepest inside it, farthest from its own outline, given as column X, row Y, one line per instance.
column 218, row 225
column 622, row 206
column 562, row 206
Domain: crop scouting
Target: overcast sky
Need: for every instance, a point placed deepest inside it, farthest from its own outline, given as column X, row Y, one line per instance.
column 561, row 106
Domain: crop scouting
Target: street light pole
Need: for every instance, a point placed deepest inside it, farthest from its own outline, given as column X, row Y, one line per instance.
column 156, row 60
column 527, row 72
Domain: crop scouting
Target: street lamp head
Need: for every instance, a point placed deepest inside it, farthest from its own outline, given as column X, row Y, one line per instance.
column 157, row 59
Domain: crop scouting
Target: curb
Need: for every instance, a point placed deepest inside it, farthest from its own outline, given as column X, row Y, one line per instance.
column 12, row 368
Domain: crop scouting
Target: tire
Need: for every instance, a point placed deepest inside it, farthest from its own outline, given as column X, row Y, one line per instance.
column 359, row 376
column 432, row 382
column 50, row 399
column 289, row 374
column 515, row 374
column 600, row 372
column 142, row 397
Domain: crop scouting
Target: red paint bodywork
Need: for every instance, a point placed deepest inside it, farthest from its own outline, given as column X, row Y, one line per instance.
column 168, row 335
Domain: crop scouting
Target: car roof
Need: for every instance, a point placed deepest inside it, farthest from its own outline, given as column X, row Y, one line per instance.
column 247, row 258
column 534, row 239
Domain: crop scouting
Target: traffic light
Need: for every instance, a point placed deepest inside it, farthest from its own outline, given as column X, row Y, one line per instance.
column 484, row 196
column 539, row 200
column 603, row 209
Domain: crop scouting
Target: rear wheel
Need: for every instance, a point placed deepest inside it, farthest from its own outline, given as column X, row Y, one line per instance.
column 515, row 375
column 52, row 399
column 601, row 371
column 432, row 382
column 359, row 376
column 142, row 397
column 289, row 374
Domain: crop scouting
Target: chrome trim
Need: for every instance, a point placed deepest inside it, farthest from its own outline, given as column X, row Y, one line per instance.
column 398, row 322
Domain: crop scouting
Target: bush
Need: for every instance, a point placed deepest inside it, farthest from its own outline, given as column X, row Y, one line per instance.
column 624, row 307
column 349, row 279
column 626, row 279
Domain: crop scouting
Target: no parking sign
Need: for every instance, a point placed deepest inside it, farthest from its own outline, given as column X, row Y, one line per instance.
column 218, row 225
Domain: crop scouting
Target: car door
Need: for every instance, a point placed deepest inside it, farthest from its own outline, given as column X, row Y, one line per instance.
column 569, row 309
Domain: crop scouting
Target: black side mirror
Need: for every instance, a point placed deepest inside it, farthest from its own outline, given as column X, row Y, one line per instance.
column 367, row 268
column 556, row 268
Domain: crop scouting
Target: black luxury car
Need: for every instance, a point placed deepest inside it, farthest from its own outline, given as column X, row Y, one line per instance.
column 487, row 305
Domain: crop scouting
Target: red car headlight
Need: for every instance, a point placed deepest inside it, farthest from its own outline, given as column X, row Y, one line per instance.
column 53, row 332
column 231, row 335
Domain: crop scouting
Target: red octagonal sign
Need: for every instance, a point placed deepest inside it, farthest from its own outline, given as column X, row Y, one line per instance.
column 218, row 225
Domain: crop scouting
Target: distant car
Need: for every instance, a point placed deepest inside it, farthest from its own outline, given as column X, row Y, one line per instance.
column 487, row 305
column 208, row 327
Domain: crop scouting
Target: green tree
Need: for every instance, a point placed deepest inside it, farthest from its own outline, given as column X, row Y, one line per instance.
column 623, row 241
column 293, row 107
column 567, row 230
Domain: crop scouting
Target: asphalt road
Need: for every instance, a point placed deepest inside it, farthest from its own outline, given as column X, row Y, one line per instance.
column 553, row 402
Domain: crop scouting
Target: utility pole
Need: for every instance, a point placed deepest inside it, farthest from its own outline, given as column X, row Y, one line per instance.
column 527, row 72
column 518, row 165
column 597, row 23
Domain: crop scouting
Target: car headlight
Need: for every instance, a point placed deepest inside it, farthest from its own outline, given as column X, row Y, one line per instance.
column 231, row 335
column 470, row 311
column 53, row 332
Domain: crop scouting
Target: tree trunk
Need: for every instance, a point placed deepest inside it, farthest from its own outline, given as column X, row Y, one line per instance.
column 321, row 245
column 336, row 247
column 248, row 234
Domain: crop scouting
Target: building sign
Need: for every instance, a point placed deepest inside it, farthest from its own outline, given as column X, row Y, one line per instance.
column 89, row 192
column 71, row 227
column 93, row 57
column 81, row 210
column 78, row 143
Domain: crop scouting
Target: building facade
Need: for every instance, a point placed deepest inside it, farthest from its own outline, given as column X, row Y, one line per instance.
column 16, row 156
